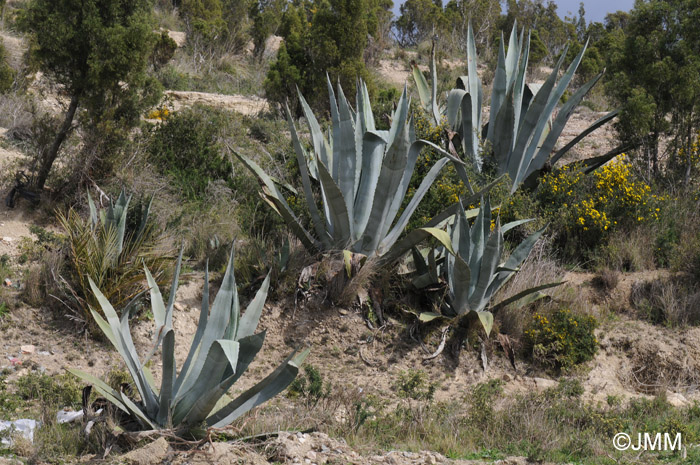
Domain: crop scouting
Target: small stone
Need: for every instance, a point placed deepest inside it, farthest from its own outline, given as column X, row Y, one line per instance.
column 179, row 307
column 7, row 239
column 506, row 377
column 27, row 349
column 7, row 282
column 311, row 455
column 301, row 439
column 307, row 461
column 343, row 312
column 325, row 449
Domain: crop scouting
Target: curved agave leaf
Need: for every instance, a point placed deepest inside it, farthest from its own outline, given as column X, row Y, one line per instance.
column 260, row 393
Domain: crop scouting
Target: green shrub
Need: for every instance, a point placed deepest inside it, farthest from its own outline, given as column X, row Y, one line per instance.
column 7, row 74
column 186, row 147
column 309, row 386
column 562, row 339
column 59, row 390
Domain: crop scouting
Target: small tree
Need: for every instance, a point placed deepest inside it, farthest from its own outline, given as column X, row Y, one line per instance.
column 97, row 50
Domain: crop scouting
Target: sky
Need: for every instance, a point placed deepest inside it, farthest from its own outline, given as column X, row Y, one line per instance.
column 595, row 9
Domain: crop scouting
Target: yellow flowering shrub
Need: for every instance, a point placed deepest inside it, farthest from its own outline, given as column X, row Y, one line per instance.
column 161, row 114
column 562, row 339
column 587, row 207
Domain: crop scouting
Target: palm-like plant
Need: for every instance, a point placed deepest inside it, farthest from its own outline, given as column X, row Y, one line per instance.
column 522, row 130
column 106, row 249
column 363, row 174
column 223, row 347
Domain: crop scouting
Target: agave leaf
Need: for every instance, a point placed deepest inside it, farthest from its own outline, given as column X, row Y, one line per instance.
column 422, row 87
column 345, row 154
column 411, row 239
column 136, row 411
column 168, row 382
column 217, row 325
column 454, row 102
column 534, row 292
column 275, row 197
column 104, row 326
column 144, row 218
column 338, row 215
column 504, row 127
column 535, row 119
column 125, row 347
column 423, row 188
column 261, row 392
column 594, row 163
column 433, row 81
column 500, row 83
column 218, row 358
column 321, row 147
column 560, row 122
column 201, row 325
column 373, row 148
column 458, row 274
column 554, row 99
column 102, row 387
column 514, row 224
column 486, row 319
column 390, row 177
column 251, row 317
column 491, row 256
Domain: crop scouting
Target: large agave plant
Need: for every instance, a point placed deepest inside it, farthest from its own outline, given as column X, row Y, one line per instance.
column 473, row 270
column 223, row 347
column 522, row 130
column 363, row 174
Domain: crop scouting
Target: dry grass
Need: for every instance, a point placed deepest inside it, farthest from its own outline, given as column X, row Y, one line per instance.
column 539, row 268
column 630, row 251
column 673, row 301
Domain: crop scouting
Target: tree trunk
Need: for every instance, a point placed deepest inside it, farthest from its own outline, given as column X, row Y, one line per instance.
column 49, row 156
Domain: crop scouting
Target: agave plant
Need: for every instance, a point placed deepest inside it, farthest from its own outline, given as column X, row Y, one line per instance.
column 108, row 250
column 223, row 347
column 473, row 270
column 363, row 174
column 522, row 130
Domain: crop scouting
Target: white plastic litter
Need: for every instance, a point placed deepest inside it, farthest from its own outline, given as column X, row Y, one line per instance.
column 66, row 416
column 24, row 427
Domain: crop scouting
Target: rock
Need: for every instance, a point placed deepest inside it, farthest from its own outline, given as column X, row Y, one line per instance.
column 179, row 307
column 676, row 399
column 28, row 349
column 343, row 312
column 543, row 383
column 150, row 454
column 7, row 239
column 311, row 455
column 7, row 282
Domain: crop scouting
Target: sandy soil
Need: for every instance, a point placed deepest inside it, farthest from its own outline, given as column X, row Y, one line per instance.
column 247, row 105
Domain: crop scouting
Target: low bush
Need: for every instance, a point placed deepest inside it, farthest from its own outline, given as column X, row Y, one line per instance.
column 186, row 146
column 585, row 209
column 562, row 339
